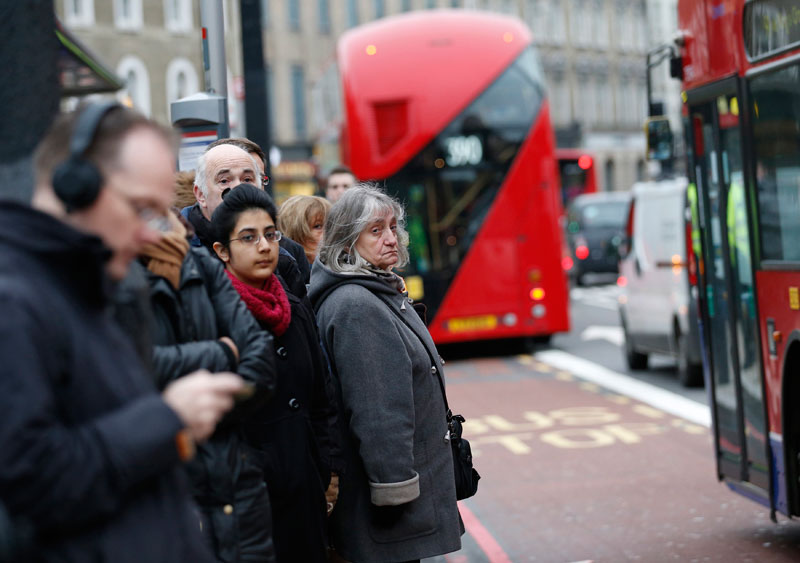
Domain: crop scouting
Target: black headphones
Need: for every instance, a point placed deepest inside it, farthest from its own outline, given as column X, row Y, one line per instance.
column 77, row 181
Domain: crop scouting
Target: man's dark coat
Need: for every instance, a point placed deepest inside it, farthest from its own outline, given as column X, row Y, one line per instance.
column 87, row 446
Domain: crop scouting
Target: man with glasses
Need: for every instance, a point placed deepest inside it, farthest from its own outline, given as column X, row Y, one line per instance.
column 90, row 453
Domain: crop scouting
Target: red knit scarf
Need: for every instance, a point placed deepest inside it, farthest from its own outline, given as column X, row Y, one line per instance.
column 268, row 305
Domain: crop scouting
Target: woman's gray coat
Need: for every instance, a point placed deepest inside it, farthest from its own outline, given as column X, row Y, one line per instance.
column 397, row 498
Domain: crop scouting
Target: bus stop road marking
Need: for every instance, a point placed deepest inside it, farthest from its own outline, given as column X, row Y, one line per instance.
column 649, row 394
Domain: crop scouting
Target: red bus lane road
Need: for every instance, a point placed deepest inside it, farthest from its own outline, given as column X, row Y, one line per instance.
column 572, row 471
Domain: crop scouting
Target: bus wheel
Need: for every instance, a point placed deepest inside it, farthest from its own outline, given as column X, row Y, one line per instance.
column 635, row 360
column 689, row 374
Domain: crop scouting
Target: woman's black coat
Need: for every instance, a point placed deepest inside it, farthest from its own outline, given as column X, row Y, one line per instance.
column 227, row 473
column 295, row 431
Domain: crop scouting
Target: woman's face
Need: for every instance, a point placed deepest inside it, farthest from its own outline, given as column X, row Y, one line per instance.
column 378, row 242
column 250, row 261
column 317, row 227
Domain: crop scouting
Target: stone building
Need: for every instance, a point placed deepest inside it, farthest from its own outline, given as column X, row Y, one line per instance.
column 592, row 51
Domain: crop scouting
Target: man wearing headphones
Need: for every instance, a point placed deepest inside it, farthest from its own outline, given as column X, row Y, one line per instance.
column 89, row 452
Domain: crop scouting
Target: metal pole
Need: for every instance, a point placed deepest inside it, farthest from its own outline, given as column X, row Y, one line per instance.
column 212, row 20
column 255, row 80
column 649, row 89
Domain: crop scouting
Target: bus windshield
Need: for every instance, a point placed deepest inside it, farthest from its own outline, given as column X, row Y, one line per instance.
column 449, row 186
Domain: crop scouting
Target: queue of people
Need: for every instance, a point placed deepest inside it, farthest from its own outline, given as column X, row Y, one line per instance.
column 268, row 399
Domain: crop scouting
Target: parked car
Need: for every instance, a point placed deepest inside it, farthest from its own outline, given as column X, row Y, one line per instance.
column 595, row 229
column 658, row 276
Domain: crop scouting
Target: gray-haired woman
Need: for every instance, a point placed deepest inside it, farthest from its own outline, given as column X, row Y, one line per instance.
column 397, row 498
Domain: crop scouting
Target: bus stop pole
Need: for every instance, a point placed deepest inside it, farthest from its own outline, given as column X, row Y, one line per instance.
column 214, row 66
column 257, row 118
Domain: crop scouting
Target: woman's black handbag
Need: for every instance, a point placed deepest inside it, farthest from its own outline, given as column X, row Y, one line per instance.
column 466, row 475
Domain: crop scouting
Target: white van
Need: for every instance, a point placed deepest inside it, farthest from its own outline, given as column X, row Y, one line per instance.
column 658, row 279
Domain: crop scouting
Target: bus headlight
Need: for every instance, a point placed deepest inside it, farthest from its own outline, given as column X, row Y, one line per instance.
column 509, row 319
column 538, row 311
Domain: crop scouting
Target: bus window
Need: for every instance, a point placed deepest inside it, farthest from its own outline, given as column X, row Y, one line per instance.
column 776, row 121
column 450, row 186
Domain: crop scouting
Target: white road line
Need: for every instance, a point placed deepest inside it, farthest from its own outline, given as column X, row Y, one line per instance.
column 654, row 396
column 612, row 334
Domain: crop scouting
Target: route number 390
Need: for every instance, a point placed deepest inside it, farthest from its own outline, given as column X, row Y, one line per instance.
column 463, row 150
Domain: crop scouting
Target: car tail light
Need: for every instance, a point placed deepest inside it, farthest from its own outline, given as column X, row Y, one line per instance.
column 622, row 281
column 582, row 252
column 567, row 263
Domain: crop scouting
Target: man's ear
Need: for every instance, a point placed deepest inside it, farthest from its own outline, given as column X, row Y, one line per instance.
column 198, row 195
column 222, row 252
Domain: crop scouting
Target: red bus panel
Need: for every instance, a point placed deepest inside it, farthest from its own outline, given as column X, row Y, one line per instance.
column 424, row 69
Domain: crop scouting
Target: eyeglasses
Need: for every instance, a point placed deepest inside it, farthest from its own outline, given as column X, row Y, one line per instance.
column 272, row 236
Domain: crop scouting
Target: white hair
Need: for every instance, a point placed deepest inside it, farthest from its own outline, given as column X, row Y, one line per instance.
column 347, row 219
column 200, row 178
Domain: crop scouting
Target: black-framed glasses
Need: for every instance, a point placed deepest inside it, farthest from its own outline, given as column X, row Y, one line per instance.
column 252, row 239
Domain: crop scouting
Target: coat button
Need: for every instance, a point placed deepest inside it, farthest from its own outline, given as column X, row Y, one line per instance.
column 294, row 403
column 282, row 353
column 433, row 370
column 227, row 509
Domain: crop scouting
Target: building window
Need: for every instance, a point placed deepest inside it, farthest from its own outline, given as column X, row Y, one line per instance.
column 640, row 170
column 79, row 13
column 604, row 102
column 178, row 15
column 324, row 8
column 137, row 84
column 128, row 14
column 298, row 97
column 405, row 5
column 181, row 79
column 294, row 15
column 557, row 31
column 560, row 101
column 352, row 13
column 581, row 23
column 430, row 4
column 380, row 8
column 600, row 24
column 609, row 176
column 619, row 103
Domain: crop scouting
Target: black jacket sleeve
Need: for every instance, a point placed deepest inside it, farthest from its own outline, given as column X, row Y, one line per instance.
column 176, row 360
column 61, row 475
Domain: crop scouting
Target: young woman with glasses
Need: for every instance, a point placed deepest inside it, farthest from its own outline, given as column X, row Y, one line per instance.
column 296, row 427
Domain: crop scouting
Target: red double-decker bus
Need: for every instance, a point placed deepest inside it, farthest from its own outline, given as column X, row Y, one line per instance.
column 447, row 109
column 741, row 77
